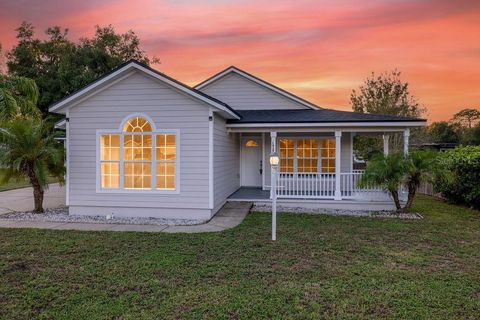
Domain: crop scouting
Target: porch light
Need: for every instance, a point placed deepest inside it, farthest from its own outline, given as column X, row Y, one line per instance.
column 274, row 159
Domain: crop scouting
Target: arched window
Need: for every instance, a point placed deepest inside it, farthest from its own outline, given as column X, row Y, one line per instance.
column 138, row 157
column 251, row 143
column 137, row 124
column 137, row 154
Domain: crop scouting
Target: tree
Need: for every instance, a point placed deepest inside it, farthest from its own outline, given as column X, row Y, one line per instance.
column 467, row 117
column 443, row 132
column 386, row 172
column 384, row 94
column 420, row 167
column 28, row 149
column 60, row 66
column 18, row 97
column 392, row 171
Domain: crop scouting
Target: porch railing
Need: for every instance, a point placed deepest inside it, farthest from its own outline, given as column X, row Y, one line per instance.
column 323, row 186
column 306, row 185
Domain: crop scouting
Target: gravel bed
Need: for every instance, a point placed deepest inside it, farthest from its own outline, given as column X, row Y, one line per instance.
column 61, row 215
column 338, row 212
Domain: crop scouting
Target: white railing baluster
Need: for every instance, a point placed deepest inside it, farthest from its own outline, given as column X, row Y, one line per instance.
column 322, row 186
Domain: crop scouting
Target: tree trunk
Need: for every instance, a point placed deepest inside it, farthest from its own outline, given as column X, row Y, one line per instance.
column 396, row 200
column 411, row 194
column 38, row 199
column 37, row 192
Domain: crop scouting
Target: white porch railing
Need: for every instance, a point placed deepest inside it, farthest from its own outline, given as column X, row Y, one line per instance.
column 306, row 185
column 323, row 185
column 350, row 188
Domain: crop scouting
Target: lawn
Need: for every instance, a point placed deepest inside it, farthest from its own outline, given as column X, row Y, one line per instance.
column 19, row 183
column 320, row 267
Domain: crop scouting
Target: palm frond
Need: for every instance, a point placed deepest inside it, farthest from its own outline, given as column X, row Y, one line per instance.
column 18, row 97
column 8, row 105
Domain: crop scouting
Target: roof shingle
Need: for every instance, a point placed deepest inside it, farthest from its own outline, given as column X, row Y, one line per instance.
column 312, row 116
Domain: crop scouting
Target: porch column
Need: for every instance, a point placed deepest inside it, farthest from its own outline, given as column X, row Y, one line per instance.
column 386, row 138
column 273, row 149
column 338, row 147
column 406, row 136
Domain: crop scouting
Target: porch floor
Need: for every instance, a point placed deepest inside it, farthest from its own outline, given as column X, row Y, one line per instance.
column 249, row 193
column 259, row 196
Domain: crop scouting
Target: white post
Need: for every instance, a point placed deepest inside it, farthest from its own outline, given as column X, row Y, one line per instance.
column 386, row 137
column 67, row 160
column 274, row 203
column 273, row 189
column 273, row 149
column 338, row 146
column 406, row 136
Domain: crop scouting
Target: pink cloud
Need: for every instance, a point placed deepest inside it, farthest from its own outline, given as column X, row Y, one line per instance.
column 318, row 49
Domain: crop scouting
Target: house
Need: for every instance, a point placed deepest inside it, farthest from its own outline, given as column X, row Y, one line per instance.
column 140, row 143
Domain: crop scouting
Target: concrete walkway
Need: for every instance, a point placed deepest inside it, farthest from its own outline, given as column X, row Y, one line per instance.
column 22, row 199
column 231, row 215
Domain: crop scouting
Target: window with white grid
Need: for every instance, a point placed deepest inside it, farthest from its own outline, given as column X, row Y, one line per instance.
column 110, row 161
column 307, row 155
column 138, row 158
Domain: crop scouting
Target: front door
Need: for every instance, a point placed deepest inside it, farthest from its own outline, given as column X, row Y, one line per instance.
column 251, row 162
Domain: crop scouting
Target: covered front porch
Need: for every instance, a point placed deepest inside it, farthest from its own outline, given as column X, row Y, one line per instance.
column 316, row 167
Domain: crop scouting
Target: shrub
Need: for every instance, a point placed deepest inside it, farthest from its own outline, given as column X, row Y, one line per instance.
column 464, row 186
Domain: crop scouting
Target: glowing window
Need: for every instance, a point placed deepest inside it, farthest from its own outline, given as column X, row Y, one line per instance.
column 137, row 124
column 251, row 144
column 307, row 155
column 287, row 148
column 138, row 158
column 110, row 161
column 166, row 154
column 327, row 152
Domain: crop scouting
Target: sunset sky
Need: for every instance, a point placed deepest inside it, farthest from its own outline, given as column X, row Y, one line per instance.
column 320, row 50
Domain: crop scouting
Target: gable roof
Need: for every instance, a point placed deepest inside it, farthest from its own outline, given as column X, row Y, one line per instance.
column 263, row 83
column 318, row 116
column 135, row 65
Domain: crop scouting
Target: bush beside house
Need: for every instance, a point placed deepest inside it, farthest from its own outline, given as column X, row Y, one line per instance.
column 464, row 186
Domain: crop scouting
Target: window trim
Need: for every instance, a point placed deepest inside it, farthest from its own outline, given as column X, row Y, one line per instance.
column 154, row 132
column 295, row 158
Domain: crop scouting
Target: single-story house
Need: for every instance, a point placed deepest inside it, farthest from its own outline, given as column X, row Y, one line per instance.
column 140, row 143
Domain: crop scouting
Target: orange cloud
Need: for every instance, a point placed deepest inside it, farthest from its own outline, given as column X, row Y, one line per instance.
column 317, row 49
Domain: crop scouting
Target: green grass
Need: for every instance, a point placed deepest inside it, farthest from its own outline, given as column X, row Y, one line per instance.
column 19, row 183
column 320, row 267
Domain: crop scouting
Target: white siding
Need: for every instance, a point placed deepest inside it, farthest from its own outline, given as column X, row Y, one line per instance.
column 226, row 175
column 169, row 109
column 243, row 94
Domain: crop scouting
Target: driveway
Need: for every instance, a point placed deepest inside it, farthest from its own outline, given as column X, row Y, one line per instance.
column 22, row 199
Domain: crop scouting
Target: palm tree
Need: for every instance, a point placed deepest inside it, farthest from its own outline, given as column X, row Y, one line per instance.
column 386, row 172
column 28, row 149
column 420, row 167
column 18, row 97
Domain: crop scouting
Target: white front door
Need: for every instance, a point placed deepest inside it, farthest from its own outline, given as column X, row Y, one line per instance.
column 251, row 162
